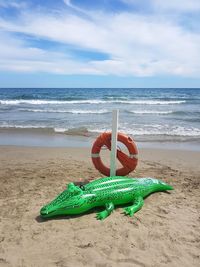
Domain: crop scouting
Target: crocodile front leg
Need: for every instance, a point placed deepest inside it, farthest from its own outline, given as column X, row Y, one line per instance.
column 103, row 214
column 138, row 203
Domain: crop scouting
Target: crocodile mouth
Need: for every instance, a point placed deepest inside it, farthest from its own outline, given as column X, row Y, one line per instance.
column 45, row 213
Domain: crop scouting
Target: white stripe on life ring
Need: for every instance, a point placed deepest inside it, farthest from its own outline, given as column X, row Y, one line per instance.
column 133, row 156
column 95, row 155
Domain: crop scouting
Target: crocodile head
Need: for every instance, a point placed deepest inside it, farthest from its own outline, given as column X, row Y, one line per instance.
column 66, row 203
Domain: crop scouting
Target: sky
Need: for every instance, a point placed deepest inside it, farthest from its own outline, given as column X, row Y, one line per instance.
column 101, row 43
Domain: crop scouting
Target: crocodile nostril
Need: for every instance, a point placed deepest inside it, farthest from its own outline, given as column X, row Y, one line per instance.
column 43, row 211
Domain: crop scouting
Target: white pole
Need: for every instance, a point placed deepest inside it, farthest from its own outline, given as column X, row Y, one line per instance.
column 113, row 153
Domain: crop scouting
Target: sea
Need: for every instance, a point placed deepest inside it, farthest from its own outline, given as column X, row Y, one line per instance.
column 145, row 114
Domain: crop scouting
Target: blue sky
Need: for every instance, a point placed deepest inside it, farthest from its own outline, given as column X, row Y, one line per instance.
column 102, row 43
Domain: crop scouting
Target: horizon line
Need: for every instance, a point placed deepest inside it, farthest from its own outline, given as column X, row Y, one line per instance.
column 99, row 87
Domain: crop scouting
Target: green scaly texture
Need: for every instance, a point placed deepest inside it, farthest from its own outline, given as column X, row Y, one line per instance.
column 107, row 192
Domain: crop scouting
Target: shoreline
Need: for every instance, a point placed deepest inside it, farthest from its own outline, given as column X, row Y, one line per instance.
column 176, row 159
column 39, row 137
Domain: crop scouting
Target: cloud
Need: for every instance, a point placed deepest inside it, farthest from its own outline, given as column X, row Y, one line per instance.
column 169, row 5
column 76, row 8
column 16, row 56
column 136, row 44
column 178, row 5
column 13, row 4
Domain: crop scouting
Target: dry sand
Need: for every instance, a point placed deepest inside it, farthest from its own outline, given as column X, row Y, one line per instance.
column 166, row 232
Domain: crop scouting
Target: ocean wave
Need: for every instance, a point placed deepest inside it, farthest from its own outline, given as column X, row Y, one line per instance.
column 167, row 130
column 60, row 130
column 153, row 102
column 27, row 126
column 151, row 130
column 150, row 112
column 90, row 101
column 50, row 102
column 102, row 111
column 31, row 102
column 156, row 130
column 116, row 98
column 83, row 131
column 73, row 111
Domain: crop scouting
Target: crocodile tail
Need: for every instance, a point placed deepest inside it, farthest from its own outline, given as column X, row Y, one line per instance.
column 169, row 187
column 165, row 186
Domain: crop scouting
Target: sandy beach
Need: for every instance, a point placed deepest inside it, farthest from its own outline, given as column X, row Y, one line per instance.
column 166, row 232
column 71, row 71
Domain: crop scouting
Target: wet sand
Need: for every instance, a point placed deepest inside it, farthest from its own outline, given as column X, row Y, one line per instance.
column 166, row 232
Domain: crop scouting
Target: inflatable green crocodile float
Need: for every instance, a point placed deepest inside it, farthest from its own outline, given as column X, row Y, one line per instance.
column 108, row 192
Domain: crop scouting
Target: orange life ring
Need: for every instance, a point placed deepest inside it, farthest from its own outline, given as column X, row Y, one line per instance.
column 128, row 162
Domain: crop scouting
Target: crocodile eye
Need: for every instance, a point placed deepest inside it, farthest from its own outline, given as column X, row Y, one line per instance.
column 82, row 187
column 75, row 193
column 73, row 189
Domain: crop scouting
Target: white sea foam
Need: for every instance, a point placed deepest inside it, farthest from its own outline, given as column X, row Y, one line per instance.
column 72, row 131
column 144, row 130
column 50, row 102
column 102, row 111
column 150, row 112
column 156, row 130
column 73, row 111
column 31, row 102
column 20, row 126
column 164, row 130
column 90, row 101
column 152, row 102
column 60, row 130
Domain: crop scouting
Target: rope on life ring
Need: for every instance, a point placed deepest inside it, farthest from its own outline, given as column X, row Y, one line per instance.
column 129, row 162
